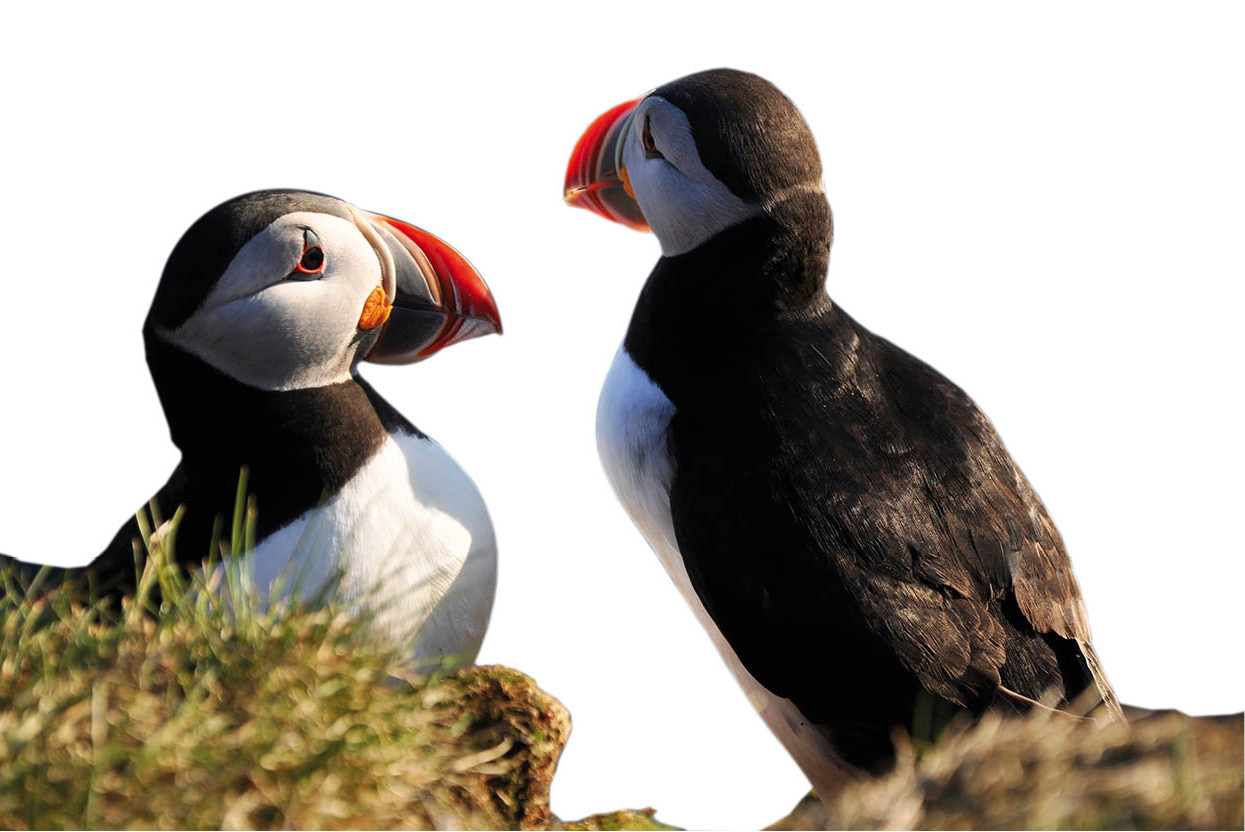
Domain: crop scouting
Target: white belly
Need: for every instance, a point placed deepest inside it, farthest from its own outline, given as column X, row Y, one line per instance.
column 407, row 540
column 633, row 416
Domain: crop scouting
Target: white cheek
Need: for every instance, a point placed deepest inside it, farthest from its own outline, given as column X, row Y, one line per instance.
column 685, row 205
column 267, row 331
column 286, row 337
column 684, row 213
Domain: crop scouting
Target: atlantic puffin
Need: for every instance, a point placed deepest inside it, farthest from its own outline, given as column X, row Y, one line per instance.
column 265, row 308
column 845, row 523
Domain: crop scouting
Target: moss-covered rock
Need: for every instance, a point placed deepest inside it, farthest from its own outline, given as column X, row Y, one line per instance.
column 636, row 819
column 193, row 716
column 1167, row 771
column 203, row 718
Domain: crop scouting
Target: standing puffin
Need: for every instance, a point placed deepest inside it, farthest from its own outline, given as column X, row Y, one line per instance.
column 843, row 520
column 265, row 308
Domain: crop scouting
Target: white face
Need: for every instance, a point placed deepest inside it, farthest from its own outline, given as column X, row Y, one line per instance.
column 683, row 202
column 268, row 325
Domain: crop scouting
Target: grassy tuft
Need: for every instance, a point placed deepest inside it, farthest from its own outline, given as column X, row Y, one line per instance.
column 1167, row 771
column 634, row 819
column 176, row 710
column 206, row 716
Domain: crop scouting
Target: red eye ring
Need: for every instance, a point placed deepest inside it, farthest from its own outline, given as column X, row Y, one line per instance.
column 312, row 261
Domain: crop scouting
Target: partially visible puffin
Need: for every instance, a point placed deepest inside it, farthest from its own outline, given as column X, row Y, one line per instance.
column 265, row 308
column 843, row 520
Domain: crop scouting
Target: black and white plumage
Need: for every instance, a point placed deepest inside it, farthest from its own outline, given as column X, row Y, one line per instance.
column 265, row 308
column 843, row 520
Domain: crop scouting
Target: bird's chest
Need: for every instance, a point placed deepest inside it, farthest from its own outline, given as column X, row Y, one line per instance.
column 633, row 420
column 634, row 442
column 394, row 540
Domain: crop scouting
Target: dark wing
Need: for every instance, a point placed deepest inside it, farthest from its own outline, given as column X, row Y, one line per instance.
column 863, row 509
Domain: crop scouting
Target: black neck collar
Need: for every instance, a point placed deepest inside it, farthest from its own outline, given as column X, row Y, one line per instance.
column 300, row 446
column 704, row 312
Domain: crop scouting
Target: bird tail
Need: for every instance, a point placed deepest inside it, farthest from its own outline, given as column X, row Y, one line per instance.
column 1109, row 700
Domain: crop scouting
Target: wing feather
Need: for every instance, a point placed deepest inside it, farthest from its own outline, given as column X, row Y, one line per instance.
column 883, row 479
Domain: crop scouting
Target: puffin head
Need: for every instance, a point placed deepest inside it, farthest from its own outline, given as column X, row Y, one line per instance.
column 694, row 157
column 284, row 290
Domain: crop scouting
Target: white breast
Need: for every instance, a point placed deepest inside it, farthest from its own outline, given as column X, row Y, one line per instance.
column 633, row 416
column 408, row 540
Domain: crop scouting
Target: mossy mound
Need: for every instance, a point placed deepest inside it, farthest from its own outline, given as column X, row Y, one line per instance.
column 199, row 717
column 182, row 713
column 1049, row 771
column 634, row 819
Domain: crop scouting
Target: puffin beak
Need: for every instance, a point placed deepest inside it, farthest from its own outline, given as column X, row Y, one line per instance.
column 596, row 178
column 437, row 297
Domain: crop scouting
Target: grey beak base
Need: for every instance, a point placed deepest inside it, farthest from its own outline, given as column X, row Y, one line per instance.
column 417, row 317
column 408, row 331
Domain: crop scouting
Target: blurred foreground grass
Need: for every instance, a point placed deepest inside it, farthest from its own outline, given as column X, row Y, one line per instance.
column 175, row 711
column 1167, row 771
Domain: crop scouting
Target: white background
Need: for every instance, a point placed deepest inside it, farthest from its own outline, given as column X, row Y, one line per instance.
column 1044, row 204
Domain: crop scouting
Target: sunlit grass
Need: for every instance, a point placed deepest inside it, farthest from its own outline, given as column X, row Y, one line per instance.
column 188, row 712
column 191, row 705
column 199, row 703
column 1053, row 771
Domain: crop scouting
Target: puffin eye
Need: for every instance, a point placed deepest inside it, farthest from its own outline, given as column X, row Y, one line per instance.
column 649, row 143
column 311, row 264
column 312, row 260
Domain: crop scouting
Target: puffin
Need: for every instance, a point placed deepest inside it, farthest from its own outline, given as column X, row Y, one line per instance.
column 842, row 519
column 265, row 309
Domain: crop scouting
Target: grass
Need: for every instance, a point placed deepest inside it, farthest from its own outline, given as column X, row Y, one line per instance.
column 293, row 718
column 175, row 710
column 1050, row 771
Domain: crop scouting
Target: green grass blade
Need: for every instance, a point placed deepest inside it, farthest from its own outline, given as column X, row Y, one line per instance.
column 144, row 529
column 239, row 512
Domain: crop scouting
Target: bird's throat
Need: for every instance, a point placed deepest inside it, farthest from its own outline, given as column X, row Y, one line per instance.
column 298, row 445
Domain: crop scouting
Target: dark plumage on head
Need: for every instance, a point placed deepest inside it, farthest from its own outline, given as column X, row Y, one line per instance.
column 754, row 139
column 749, row 134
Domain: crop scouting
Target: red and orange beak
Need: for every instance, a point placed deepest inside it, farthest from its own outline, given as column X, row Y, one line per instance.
column 436, row 297
column 596, row 178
